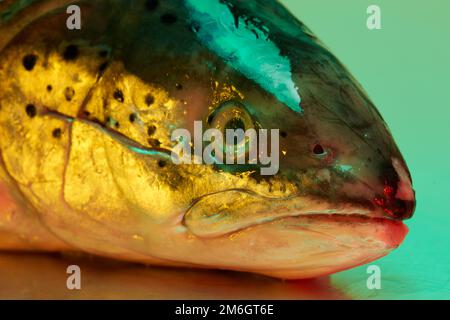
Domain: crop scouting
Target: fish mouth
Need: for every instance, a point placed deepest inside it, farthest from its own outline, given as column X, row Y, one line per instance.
column 395, row 230
column 289, row 242
column 325, row 244
column 234, row 210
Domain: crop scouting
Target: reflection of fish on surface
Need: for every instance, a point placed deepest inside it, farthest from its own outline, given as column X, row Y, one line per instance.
column 86, row 118
column 23, row 276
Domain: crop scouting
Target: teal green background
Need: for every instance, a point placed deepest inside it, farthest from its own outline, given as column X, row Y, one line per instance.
column 405, row 68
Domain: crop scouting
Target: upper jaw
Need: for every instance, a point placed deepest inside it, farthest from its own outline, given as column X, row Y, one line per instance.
column 228, row 211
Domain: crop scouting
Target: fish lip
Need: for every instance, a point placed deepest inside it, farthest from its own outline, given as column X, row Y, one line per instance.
column 368, row 207
column 397, row 228
column 389, row 234
column 198, row 220
column 339, row 217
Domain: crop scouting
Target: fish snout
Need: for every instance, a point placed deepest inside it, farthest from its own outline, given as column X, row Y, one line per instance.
column 398, row 198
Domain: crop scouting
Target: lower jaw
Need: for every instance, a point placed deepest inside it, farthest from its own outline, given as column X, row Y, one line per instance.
column 296, row 247
column 394, row 231
column 326, row 244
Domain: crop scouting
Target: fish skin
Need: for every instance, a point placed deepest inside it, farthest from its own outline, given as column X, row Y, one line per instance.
column 86, row 188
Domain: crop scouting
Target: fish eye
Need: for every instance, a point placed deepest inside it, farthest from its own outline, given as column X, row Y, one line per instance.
column 231, row 115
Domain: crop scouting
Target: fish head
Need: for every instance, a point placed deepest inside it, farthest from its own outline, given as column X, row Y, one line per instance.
column 341, row 188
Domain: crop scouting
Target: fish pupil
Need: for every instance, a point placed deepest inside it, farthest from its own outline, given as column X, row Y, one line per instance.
column 234, row 124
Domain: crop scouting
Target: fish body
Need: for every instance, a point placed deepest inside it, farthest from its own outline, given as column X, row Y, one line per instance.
column 86, row 124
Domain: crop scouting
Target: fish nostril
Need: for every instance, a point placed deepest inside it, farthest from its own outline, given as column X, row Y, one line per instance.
column 318, row 149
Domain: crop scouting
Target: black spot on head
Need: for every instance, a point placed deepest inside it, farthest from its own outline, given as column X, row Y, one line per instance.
column 169, row 18
column 49, row 88
column 118, row 95
column 283, row 134
column 132, row 117
column 71, row 52
column 161, row 163
column 151, row 4
column 110, row 122
column 151, row 130
column 29, row 61
column 86, row 113
column 102, row 68
column 103, row 53
column 149, row 99
column 30, row 109
column 179, row 86
column 56, row 133
column 69, row 93
column 154, row 142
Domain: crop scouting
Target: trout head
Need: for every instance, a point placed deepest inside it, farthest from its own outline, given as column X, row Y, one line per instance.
column 94, row 117
column 342, row 187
